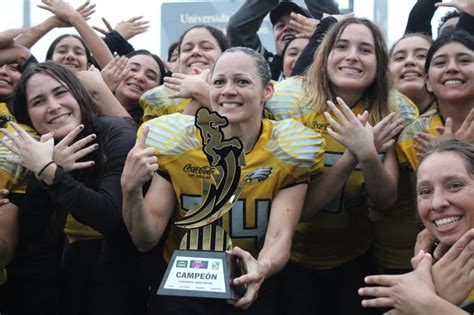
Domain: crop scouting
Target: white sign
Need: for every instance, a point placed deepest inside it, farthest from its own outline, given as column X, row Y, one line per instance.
column 196, row 274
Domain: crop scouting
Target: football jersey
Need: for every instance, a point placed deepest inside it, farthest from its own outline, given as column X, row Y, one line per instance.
column 469, row 300
column 395, row 230
column 5, row 113
column 342, row 231
column 156, row 103
column 12, row 175
column 76, row 231
column 288, row 102
column 406, row 140
column 285, row 154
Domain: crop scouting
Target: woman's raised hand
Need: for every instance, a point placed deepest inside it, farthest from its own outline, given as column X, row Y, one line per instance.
column 115, row 71
column 67, row 153
column 61, row 9
column 186, row 85
column 30, row 153
column 140, row 165
column 347, row 129
column 385, row 132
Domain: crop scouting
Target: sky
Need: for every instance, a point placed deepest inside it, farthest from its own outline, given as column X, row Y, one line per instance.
column 116, row 11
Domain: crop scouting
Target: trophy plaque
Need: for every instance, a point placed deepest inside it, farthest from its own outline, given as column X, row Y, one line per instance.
column 201, row 267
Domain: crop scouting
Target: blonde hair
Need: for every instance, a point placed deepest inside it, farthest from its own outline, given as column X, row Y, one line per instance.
column 317, row 85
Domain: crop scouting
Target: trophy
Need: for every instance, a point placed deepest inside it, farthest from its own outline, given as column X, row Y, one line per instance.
column 202, row 268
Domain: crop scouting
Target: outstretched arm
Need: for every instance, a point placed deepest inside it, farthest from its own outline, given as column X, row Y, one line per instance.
column 35, row 33
column 284, row 216
column 117, row 39
column 10, row 52
column 243, row 26
column 101, row 94
column 419, row 20
column 318, row 7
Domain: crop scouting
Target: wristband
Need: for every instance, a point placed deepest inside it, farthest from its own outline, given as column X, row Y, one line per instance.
column 44, row 167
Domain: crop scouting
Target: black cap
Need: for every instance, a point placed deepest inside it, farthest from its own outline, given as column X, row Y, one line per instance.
column 287, row 8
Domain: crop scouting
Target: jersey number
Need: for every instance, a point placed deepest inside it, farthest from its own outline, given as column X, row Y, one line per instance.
column 239, row 225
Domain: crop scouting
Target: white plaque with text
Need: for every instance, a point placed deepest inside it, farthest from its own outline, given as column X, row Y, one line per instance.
column 197, row 273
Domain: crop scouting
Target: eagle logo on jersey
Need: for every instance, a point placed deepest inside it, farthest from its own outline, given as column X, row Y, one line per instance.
column 258, row 175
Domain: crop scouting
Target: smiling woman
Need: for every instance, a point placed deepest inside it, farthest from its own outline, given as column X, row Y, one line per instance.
column 240, row 87
column 198, row 48
column 145, row 71
column 407, row 63
column 445, row 197
column 444, row 187
column 348, row 77
column 450, row 70
column 70, row 51
column 80, row 180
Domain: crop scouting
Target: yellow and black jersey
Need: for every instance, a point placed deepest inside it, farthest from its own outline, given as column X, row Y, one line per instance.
column 395, row 230
column 468, row 303
column 76, row 231
column 433, row 106
column 286, row 154
column 5, row 114
column 341, row 231
column 403, row 106
column 156, row 103
column 12, row 175
column 288, row 102
column 406, row 140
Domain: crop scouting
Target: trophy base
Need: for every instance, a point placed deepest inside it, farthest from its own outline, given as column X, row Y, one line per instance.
column 201, row 274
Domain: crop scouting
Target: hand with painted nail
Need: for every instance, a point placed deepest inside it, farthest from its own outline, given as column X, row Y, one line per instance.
column 69, row 151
